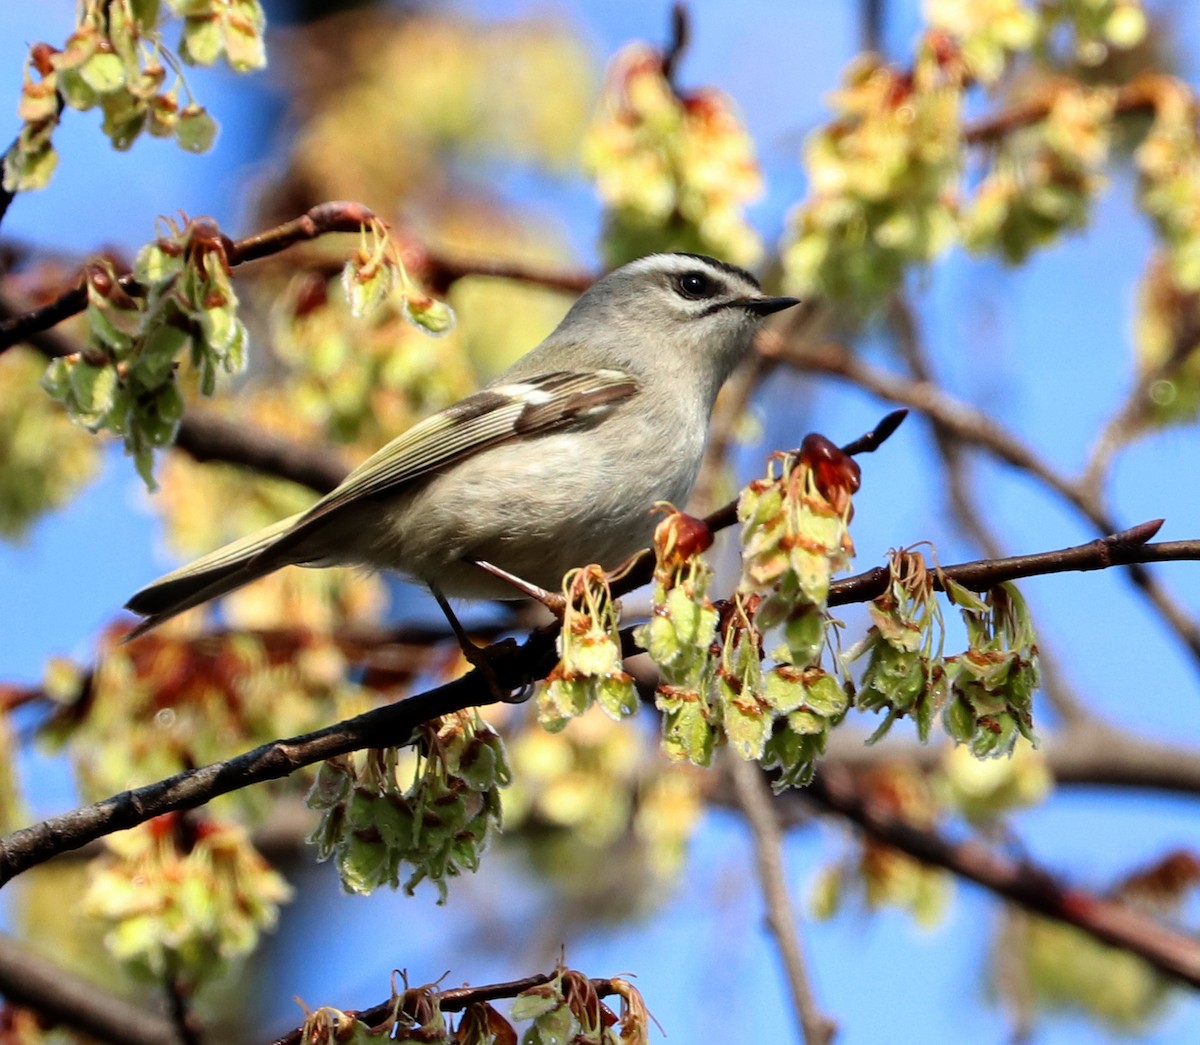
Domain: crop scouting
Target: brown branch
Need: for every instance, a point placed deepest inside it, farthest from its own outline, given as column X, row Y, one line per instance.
column 722, row 430
column 438, row 272
column 388, row 726
column 29, row 980
column 319, row 221
column 1138, row 96
column 207, row 436
column 903, row 326
column 681, row 37
column 972, row 426
column 754, row 797
column 1171, row 952
column 1118, row 549
column 179, row 1001
column 1087, row 753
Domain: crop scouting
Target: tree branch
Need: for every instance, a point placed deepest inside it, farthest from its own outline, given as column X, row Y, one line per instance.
column 754, row 797
column 439, row 271
column 387, row 726
column 319, row 221
column 1173, row 953
column 206, row 436
column 29, row 980
column 1140, row 95
column 513, row 668
column 1087, row 753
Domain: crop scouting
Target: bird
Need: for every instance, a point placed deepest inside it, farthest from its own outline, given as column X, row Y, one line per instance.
column 557, row 463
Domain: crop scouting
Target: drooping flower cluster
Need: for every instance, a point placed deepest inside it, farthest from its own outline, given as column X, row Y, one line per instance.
column 984, row 695
column 904, row 673
column 125, row 381
column 992, row 683
column 373, row 823
column 568, row 1008
column 794, row 537
column 373, row 274
column 590, row 667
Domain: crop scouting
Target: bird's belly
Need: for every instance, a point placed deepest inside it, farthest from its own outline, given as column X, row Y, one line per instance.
column 519, row 508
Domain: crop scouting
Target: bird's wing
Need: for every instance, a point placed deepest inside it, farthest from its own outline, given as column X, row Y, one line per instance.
column 534, row 406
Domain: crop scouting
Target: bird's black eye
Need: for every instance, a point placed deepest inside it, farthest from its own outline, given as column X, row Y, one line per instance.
column 696, row 285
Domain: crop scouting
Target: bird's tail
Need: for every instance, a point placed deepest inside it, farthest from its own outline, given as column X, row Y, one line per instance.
column 217, row 573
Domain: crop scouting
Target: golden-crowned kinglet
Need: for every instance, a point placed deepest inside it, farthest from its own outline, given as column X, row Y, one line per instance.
column 555, row 464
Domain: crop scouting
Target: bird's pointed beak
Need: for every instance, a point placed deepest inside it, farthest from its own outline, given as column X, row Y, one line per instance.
column 765, row 306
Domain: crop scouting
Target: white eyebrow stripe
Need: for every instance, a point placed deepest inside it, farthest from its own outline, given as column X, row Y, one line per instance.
column 527, row 393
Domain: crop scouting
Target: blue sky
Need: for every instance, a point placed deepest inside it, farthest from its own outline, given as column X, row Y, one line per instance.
column 704, row 961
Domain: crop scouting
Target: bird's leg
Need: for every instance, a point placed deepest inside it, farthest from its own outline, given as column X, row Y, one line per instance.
column 477, row 656
column 555, row 603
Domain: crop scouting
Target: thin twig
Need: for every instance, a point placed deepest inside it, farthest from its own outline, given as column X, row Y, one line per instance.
column 722, row 430
column 388, row 726
column 870, row 21
column 1083, row 754
column 179, row 1000
column 681, row 36
column 754, row 797
column 207, row 436
column 455, row 1000
column 903, row 325
column 319, row 221
column 339, row 216
column 439, row 272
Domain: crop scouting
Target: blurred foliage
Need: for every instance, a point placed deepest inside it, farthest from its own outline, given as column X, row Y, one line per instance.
column 428, row 89
column 1043, row 178
column 46, row 458
column 888, row 176
column 674, row 169
column 151, row 709
column 878, row 875
column 883, row 178
column 184, row 895
column 1042, row 966
column 984, row 789
column 601, row 816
